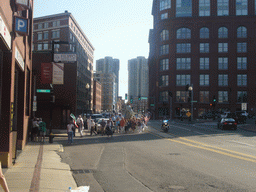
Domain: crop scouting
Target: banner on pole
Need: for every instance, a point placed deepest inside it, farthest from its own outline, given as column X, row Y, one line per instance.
column 46, row 73
column 58, row 73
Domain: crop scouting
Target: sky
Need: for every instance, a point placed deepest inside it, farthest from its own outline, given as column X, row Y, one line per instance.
column 116, row 28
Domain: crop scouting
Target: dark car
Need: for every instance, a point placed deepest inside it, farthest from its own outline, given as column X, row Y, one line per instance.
column 227, row 123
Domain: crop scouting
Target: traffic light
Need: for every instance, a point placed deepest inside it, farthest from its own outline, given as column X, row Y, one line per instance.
column 131, row 100
column 139, row 98
column 125, row 96
column 214, row 101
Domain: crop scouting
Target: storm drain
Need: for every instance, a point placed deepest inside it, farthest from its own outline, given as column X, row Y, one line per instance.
column 81, row 171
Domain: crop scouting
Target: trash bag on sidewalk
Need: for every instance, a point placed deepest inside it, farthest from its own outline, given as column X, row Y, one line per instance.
column 81, row 189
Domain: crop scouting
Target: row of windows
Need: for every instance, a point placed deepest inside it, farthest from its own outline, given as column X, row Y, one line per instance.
column 184, row 7
column 182, row 96
column 45, row 35
column 185, row 33
column 46, row 25
column 184, row 79
column 203, row 48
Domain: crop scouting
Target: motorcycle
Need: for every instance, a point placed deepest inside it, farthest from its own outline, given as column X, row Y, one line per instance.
column 165, row 126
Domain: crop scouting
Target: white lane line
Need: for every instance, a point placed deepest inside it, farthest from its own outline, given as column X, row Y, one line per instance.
column 199, row 133
column 242, row 143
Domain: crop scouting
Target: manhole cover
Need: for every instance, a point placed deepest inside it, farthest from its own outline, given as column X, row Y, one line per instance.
column 176, row 187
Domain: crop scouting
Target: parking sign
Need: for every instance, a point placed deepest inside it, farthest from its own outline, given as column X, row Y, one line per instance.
column 21, row 26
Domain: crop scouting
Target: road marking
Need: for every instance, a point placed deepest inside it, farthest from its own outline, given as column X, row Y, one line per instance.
column 242, row 143
column 199, row 133
column 211, row 148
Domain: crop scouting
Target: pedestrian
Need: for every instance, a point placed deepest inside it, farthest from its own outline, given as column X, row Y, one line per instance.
column 89, row 123
column 118, row 124
column 93, row 128
column 103, row 126
column 74, row 127
column 122, row 125
column 70, row 127
column 80, row 123
column 3, row 182
column 109, row 131
column 133, row 124
column 35, row 129
column 42, row 127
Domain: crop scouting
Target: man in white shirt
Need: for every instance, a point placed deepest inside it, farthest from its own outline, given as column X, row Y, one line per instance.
column 80, row 123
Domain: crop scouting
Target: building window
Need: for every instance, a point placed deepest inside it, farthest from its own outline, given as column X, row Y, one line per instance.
column 241, row 63
column 40, row 26
column 164, row 64
column 39, row 46
column 164, row 49
column 242, row 96
column 46, row 35
column 182, row 80
column 222, row 7
column 71, row 36
column 204, row 63
column 39, row 36
column 222, row 96
column 182, row 96
column 222, row 80
column 164, row 35
column 204, row 80
column 183, row 33
column 223, row 32
column 183, row 8
column 55, row 34
column 204, row 47
column 204, row 7
column 46, row 25
column 242, row 47
column 241, row 7
column 242, row 80
column 164, row 16
column 183, row 48
column 222, row 47
column 56, row 46
column 165, row 4
column 183, row 63
column 204, row 33
column 204, row 96
column 163, row 96
column 223, row 63
column 56, row 23
column 45, row 45
column 241, row 32
column 164, row 80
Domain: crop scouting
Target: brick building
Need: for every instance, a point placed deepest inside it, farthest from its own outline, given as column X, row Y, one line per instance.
column 209, row 45
column 15, row 77
column 96, row 96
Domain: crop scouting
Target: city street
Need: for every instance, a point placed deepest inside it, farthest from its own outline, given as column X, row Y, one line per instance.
column 191, row 157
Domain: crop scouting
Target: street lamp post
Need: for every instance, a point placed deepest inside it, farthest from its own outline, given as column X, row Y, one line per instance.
column 87, row 86
column 191, row 100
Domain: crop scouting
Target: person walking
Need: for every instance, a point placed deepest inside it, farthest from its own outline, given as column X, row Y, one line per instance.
column 89, row 124
column 70, row 132
column 42, row 127
column 80, row 123
column 103, row 126
column 3, row 182
column 122, row 125
column 35, row 129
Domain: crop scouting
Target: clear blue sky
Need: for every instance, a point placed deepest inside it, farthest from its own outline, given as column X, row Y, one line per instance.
column 117, row 28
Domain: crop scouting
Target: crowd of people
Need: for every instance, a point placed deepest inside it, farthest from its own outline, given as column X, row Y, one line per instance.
column 38, row 131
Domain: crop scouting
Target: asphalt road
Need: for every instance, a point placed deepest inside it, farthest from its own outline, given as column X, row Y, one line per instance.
column 191, row 157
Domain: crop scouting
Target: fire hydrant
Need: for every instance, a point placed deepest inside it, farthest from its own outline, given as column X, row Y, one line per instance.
column 51, row 136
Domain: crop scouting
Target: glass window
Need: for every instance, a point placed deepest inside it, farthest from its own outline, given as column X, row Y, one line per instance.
column 164, row 64
column 56, row 46
column 241, row 63
column 45, row 45
column 223, row 63
column 223, row 32
column 183, row 33
column 182, row 96
column 40, row 26
column 39, row 36
column 242, row 96
column 182, row 80
column 223, row 80
column 241, row 32
column 242, row 80
column 55, row 34
column 165, row 4
column 204, row 80
column 39, row 46
column 204, row 63
column 222, row 47
column 204, row 47
column 222, row 7
column 183, row 63
column 164, row 16
column 204, row 33
column 46, row 35
column 56, row 23
column 242, row 47
column 183, row 48
column 164, row 80
column 164, row 49
column 204, row 7
column 204, row 96
column 241, row 7
column 222, row 96
column 183, row 8
column 164, row 35
column 163, row 96
column 46, row 25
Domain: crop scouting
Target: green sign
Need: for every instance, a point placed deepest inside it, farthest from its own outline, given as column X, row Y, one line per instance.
column 43, row 90
column 144, row 98
column 152, row 105
column 193, row 101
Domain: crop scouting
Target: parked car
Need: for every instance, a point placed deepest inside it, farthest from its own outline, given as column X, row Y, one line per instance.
column 98, row 126
column 227, row 123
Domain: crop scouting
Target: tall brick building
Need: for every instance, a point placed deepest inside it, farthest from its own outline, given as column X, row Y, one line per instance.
column 209, row 45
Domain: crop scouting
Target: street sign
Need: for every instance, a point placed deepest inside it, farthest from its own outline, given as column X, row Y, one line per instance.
column 21, row 26
column 34, row 106
column 43, row 90
column 244, row 106
column 152, row 105
column 188, row 114
column 65, row 58
column 193, row 101
column 144, row 98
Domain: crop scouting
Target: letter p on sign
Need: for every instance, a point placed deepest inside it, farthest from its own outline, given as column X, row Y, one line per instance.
column 21, row 25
